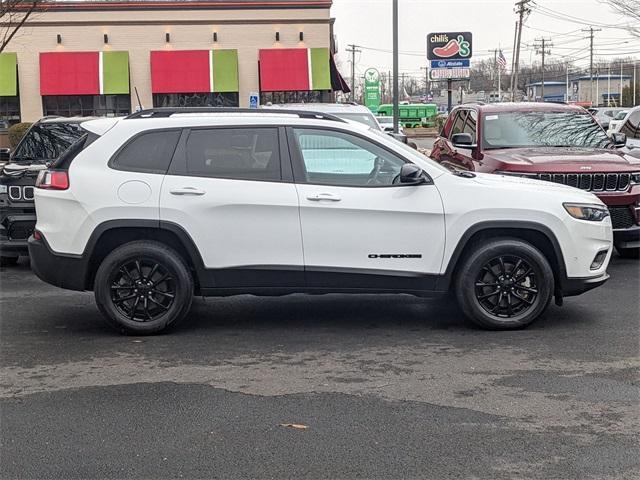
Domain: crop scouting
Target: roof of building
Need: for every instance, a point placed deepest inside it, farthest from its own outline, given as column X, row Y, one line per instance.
column 96, row 5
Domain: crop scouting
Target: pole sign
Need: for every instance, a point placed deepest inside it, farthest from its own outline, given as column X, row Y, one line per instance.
column 449, row 54
column 372, row 89
column 449, row 46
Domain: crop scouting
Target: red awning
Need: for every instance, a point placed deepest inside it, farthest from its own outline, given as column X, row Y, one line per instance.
column 284, row 69
column 69, row 73
column 180, row 71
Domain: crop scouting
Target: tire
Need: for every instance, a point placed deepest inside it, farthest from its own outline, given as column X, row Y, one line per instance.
column 490, row 268
column 628, row 252
column 143, row 288
column 8, row 261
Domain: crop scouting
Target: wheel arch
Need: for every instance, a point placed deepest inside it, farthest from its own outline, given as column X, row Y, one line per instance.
column 112, row 234
column 538, row 235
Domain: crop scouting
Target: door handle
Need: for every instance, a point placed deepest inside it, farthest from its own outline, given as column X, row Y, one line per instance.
column 187, row 191
column 324, row 196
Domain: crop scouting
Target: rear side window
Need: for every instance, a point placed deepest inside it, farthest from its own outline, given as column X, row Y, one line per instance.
column 149, row 153
column 238, row 153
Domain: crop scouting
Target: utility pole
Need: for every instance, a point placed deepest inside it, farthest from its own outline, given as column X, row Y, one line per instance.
column 513, row 57
column 609, row 85
column 522, row 9
column 426, row 82
column 591, row 31
column 621, row 64
column 633, row 102
column 396, row 102
column 353, row 49
column 542, row 48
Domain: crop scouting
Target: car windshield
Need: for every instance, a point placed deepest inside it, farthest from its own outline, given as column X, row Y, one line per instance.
column 47, row 141
column 364, row 118
column 542, row 129
column 385, row 119
column 621, row 115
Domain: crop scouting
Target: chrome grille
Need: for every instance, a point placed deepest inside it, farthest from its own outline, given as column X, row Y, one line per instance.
column 596, row 182
column 18, row 193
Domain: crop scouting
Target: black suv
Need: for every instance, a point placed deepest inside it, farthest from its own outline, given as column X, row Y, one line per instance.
column 43, row 143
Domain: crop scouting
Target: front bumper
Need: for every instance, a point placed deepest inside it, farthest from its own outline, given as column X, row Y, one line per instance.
column 627, row 237
column 64, row 271
column 14, row 232
column 576, row 286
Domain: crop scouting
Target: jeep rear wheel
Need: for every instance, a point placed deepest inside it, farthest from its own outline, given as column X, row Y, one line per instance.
column 143, row 287
column 504, row 284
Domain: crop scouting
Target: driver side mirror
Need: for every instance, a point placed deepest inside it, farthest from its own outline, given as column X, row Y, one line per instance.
column 462, row 140
column 411, row 174
column 619, row 139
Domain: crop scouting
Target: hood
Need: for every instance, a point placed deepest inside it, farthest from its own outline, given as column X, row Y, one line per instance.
column 492, row 180
column 566, row 159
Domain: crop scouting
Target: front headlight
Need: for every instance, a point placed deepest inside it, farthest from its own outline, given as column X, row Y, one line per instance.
column 635, row 178
column 587, row 211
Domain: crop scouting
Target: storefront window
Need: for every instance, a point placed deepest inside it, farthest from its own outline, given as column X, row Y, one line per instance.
column 228, row 99
column 86, row 105
column 9, row 110
column 313, row 96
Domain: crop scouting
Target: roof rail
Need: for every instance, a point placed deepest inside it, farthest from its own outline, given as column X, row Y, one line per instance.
column 165, row 112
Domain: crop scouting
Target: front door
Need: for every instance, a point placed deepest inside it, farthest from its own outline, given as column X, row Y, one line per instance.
column 360, row 228
column 227, row 189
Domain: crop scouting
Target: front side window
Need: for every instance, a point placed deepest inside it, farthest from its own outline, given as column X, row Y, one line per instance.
column 471, row 124
column 542, row 129
column 458, row 123
column 47, row 141
column 150, row 152
column 238, row 153
column 341, row 159
column 631, row 127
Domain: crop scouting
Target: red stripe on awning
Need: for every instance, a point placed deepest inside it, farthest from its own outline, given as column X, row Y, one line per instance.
column 69, row 73
column 284, row 69
column 182, row 71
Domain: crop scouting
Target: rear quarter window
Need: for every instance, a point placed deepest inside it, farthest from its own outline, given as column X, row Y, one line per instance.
column 149, row 152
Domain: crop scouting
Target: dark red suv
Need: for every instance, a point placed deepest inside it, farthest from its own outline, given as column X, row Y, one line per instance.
column 550, row 142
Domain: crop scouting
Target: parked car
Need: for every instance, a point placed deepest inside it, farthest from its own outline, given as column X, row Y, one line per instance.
column 604, row 115
column 386, row 123
column 631, row 128
column 42, row 144
column 617, row 121
column 351, row 112
column 552, row 142
column 169, row 203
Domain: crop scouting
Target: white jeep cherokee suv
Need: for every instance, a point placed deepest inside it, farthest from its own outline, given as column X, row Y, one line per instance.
column 149, row 210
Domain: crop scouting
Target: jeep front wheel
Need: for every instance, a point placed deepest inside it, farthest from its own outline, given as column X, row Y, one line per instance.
column 504, row 284
column 143, row 287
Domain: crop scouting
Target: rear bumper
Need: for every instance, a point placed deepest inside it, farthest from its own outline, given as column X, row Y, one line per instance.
column 627, row 238
column 64, row 271
column 577, row 286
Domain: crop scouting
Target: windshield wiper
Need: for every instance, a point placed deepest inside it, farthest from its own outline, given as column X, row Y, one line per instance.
column 463, row 173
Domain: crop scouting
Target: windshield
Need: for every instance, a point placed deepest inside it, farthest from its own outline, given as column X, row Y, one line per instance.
column 367, row 119
column 385, row 120
column 542, row 129
column 621, row 115
column 46, row 141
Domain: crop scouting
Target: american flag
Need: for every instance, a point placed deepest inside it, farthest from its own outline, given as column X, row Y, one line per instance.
column 501, row 60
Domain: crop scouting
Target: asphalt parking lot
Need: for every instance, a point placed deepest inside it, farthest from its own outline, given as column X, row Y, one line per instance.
column 388, row 386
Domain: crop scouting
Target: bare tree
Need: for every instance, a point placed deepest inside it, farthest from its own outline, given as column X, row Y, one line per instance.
column 628, row 8
column 13, row 15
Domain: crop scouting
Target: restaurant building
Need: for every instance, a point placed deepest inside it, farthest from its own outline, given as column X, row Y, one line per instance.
column 108, row 57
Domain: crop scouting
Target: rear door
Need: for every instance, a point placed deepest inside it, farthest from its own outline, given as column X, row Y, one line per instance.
column 230, row 189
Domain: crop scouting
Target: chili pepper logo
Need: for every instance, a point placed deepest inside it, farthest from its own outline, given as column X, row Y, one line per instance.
column 454, row 47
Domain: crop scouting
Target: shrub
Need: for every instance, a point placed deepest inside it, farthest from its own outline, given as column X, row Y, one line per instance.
column 16, row 132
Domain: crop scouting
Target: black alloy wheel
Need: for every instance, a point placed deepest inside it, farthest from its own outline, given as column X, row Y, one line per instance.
column 506, row 286
column 142, row 289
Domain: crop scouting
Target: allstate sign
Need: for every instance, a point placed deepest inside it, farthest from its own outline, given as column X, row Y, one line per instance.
column 451, row 63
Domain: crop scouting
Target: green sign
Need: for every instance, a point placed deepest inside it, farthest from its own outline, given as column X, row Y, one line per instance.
column 372, row 89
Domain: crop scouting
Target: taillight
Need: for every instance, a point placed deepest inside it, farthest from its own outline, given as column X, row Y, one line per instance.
column 53, row 180
column 37, row 235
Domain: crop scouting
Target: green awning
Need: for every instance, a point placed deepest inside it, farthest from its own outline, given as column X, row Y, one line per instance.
column 8, row 74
